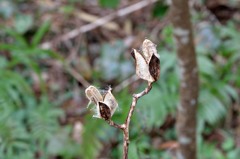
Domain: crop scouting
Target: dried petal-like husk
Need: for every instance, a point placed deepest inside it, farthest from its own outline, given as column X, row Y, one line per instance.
column 93, row 95
column 142, row 67
column 104, row 106
column 110, row 100
column 149, row 49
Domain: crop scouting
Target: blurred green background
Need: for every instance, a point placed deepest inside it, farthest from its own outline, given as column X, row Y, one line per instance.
column 43, row 108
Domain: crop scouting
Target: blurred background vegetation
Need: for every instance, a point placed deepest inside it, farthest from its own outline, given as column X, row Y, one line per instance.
column 43, row 77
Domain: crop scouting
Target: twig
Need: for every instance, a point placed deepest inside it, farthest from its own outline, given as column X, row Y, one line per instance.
column 99, row 22
column 69, row 69
column 130, row 113
column 76, row 75
column 125, row 127
column 72, row 71
column 111, row 123
column 92, row 18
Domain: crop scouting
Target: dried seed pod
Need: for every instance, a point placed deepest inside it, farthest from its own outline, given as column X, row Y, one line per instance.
column 149, row 49
column 154, row 67
column 105, row 111
column 142, row 67
column 147, row 63
column 93, row 94
column 110, row 100
column 105, row 105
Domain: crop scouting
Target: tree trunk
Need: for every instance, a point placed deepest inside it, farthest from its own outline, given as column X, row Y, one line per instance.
column 186, row 115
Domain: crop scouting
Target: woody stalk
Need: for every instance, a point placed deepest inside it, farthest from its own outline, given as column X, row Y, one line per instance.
column 147, row 63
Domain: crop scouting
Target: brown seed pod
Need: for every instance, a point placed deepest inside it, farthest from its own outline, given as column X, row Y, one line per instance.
column 148, row 49
column 105, row 103
column 154, row 67
column 142, row 67
column 147, row 62
column 110, row 100
column 105, row 111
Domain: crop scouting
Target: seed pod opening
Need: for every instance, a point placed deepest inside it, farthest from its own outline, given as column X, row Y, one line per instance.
column 105, row 111
column 105, row 103
column 147, row 62
column 142, row 67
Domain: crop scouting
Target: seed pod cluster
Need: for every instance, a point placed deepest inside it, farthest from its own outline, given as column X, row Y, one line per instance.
column 105, row 103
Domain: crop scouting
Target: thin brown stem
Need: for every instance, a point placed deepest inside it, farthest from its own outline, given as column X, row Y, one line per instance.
column 125, row 127
column 125, row 143
column 111, row 123
column 127, row 122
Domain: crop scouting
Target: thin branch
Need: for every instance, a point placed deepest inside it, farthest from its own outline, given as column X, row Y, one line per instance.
column 134, row 102
column 130, row 113
column 76, row 75
column 125, row 127
column 112, row 123
column 69, row 69
column 99, row 22
column 144, row 92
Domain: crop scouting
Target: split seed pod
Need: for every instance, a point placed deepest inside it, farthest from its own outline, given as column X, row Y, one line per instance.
column 105, row 104
column 147, row 62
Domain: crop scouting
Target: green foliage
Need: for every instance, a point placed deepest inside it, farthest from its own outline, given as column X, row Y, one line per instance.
column 37, row 37
column 68, row 9
column 14, row 137
column 209, row 150
column 43, row 121
column 154, row 108
column 23, row 51
column 230, row 51
column 124, row 101
column 159, row 10
column 108, row 3
column 27, row 122
column 133, row 150
column 91, row 145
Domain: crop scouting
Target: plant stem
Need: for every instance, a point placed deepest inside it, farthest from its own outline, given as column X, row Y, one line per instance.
column 127, row 122
column 125, row 127
column 125, row 143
